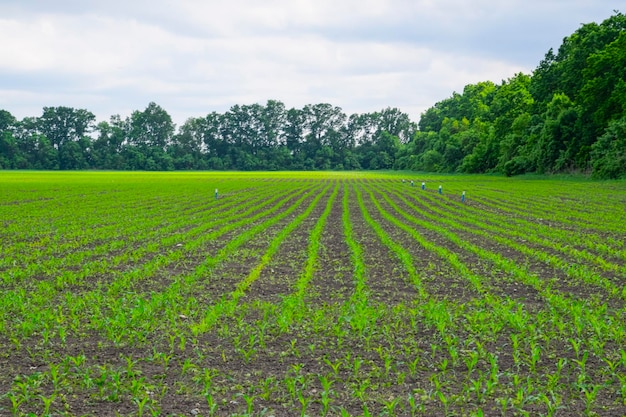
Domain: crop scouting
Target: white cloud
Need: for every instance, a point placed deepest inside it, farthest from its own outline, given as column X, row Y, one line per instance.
column 193, row 57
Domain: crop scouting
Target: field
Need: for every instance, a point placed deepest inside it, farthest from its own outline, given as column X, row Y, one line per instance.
column 318, row 294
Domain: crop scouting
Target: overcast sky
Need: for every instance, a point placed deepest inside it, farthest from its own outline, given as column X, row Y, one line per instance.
column 193, row 57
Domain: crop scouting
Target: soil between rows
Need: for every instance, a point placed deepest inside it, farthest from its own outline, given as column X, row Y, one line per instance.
column 308, row 348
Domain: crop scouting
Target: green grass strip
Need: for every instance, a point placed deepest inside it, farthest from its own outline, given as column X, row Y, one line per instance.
column 294, row 302
column 356, row 252
column 401, row 253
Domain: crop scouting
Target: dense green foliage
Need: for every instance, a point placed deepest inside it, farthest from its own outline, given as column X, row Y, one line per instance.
column 248, row 137
column 568, row 116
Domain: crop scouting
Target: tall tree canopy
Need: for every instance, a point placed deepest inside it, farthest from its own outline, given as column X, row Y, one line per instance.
column 557, row 119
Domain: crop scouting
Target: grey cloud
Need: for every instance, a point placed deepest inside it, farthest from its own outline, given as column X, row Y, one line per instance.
column 193, row 57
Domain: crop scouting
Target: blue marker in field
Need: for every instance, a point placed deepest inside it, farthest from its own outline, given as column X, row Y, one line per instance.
column 463, row 197
column 423, row 186
column 216, row 195
column 440, row 189
column 412, row 183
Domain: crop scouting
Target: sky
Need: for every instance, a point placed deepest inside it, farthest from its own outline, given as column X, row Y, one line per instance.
column 194, row 57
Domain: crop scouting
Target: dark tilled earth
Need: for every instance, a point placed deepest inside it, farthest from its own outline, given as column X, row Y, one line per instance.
column 249, row 359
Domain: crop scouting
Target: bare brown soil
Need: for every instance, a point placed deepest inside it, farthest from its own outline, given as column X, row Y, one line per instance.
column 252, row 358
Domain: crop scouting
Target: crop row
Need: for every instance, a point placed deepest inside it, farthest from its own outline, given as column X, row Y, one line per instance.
column 320, row 294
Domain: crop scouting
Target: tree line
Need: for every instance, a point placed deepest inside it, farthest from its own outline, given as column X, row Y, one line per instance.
column 569, row 115
column 247, row 137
